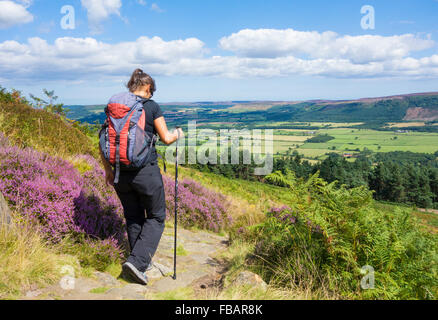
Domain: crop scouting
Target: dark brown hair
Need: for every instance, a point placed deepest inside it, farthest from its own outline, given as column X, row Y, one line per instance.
column 138, row 79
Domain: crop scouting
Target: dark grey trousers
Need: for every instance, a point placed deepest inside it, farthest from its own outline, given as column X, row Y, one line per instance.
column 142, row 196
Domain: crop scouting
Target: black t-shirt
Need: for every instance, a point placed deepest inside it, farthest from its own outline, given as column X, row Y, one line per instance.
column 153, row 112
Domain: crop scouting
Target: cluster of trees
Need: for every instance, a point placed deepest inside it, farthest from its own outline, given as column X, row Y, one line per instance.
column 403, row 177
column 48, row 103
column 383, row 126
column 321, row 138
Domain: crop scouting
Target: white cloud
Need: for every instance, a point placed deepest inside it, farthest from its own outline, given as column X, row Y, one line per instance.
column 100, row 10
column 272, row 43
column 12, row 13
column 84, row 57
column 87, row 58
column 142, row 2
column 241, row 67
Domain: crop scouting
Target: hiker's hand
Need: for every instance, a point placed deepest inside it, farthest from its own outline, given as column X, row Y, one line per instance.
column 180, row 132
column 109, row 178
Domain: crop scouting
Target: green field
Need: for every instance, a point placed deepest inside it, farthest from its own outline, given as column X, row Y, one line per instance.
column 351, row 140
column 348, row 140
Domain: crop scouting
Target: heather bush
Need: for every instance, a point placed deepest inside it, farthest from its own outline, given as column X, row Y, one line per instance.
column 53, row 195
column 197, row 205
column 331, row 233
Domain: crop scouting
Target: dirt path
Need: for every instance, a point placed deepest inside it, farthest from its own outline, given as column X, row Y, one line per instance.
column 196, row 269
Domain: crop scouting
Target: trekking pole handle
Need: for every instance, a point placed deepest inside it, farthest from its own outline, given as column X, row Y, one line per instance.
column 178, row 134
column 177, row 141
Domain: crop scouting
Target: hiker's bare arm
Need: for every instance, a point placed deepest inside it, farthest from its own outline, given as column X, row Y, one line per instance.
column 166, row 136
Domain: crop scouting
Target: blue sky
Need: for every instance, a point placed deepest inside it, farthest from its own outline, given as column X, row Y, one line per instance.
column 220, row 50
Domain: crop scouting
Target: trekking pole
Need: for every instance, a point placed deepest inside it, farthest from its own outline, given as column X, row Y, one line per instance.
column 176, row 206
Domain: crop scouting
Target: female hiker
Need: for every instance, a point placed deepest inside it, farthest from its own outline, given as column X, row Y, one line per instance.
column 134, row 120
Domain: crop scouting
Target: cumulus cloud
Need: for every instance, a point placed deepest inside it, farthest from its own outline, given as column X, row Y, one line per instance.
column 273, row 43
column 14, row 13
column 84, row 58
column 100, row 10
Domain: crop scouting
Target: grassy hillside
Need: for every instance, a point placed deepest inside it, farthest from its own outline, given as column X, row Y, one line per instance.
column 28, row 127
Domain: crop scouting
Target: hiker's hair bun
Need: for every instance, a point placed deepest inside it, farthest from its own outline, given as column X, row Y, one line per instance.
column 140, row 78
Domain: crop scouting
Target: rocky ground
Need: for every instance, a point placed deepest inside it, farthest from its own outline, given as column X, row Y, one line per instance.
column 198, row 270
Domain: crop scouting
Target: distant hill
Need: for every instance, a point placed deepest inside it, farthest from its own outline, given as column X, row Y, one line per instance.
column 404, row 107
column 422, row 106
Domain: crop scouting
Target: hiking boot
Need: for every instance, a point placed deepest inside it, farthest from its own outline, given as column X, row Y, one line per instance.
column 138, row 276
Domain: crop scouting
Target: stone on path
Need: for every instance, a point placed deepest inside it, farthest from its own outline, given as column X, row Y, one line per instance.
column 106, row 279
column 182, row 280
column 33, row 294
column 155, row 273
column 83, row 285
column 164, row 270
column 251, row 279
column 128, row 292
column 195, row 265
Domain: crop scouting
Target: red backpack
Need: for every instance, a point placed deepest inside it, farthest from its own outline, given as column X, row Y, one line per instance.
column 123, row 140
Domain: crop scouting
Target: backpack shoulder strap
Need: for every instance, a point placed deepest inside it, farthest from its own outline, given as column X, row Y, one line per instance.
column 117, row 173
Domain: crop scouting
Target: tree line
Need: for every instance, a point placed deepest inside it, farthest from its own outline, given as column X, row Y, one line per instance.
column 402, row 177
